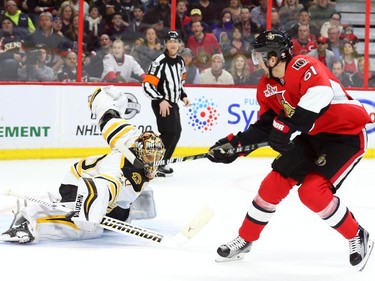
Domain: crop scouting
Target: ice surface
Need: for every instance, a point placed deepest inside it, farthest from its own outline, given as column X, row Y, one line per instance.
column 295, row 246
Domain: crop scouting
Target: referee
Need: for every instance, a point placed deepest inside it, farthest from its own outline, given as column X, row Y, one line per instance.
column 163, row 84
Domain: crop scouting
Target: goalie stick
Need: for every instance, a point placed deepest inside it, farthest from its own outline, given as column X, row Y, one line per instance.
column 189, row 231
column 238, row 149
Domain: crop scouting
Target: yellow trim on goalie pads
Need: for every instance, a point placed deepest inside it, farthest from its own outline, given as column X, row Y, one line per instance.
column 115, row 129
column 60, row 219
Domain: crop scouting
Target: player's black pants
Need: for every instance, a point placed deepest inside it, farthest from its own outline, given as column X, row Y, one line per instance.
column 169, row 127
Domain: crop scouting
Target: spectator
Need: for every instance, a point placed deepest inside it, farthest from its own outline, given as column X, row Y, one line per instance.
column 35, row 68
column 303, row 44
column 304, row 18
column 182, row 17
column 192, row 72
column 149, row 50
column 334, row 20
column 240, row 71
column 36, row 7
column 349, row 58
column 275, row 19
column 321, row 53
column 94, row 63
column 68, row 73
column 11, row 52
column 120, row 67
column 223, row 29
column 347, row 34
column 117, row 27
column 358, row 77
column 45, row 35
column 209, row 11
column 203, row 45
column 235, row 9
column 195, row 15
column 20, row 19
column 66, row 13
column 94, row 27
column 338, row 71
column 334, row 42
column 289, row 13
column 321, row 11
column 259, row 15
column 160, row 14
column 235, row 46
column 57, row 26
column 137, row 26
column 72, row 35
column 75, row 5
column 249, row 28
column 216, row 74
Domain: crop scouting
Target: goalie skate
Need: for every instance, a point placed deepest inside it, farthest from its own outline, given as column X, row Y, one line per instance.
column 19, row 230
column 233, row 250
column 360, row 248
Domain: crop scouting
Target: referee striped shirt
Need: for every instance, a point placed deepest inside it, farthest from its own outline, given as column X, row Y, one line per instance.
column 165, row 79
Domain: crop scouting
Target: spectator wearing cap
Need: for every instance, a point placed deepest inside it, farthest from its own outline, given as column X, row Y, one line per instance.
column 192, row 72
column 322, row 53
column 195, row 15
column 203, row 45
column 57, row 26
column 216, row 74
column 20, row 19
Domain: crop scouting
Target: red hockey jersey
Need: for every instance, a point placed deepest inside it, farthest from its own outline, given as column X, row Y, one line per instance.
column 309, row 85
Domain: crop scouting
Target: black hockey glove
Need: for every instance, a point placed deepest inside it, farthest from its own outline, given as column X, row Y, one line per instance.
column 218, row 152
column 281, row 132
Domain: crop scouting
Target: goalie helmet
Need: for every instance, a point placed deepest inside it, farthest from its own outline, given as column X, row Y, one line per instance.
column 149, row 148
column 273, row 43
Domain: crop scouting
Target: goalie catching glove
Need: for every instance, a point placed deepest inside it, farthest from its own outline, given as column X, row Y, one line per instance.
column 218, row 153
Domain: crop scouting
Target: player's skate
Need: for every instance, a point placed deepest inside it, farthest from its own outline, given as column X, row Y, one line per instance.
column 20, row 230
column 360, row 248
column 233, row 250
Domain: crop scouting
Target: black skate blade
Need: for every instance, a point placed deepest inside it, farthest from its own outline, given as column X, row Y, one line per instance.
column 363, row 263
column 234, row 258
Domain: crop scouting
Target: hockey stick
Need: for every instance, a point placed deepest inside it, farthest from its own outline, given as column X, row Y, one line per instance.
column 238, row 149
column 186, row 233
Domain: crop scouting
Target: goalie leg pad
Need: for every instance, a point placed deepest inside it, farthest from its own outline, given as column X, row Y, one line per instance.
column 91, row 203
column 100, row 102
column 143, row 207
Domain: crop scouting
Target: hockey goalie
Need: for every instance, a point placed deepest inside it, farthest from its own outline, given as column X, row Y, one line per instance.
column 113, row 185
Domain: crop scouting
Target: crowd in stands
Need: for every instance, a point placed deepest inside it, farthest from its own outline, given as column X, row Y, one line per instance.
column 39, row 38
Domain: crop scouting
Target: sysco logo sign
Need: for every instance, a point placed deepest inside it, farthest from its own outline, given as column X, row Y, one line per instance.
column 238, row 114
column 203, row 114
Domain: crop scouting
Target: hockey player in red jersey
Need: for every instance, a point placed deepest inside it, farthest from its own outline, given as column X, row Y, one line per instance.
column 300, row 96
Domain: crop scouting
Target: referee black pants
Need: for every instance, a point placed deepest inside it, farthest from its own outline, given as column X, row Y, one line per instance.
column 169, row 127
